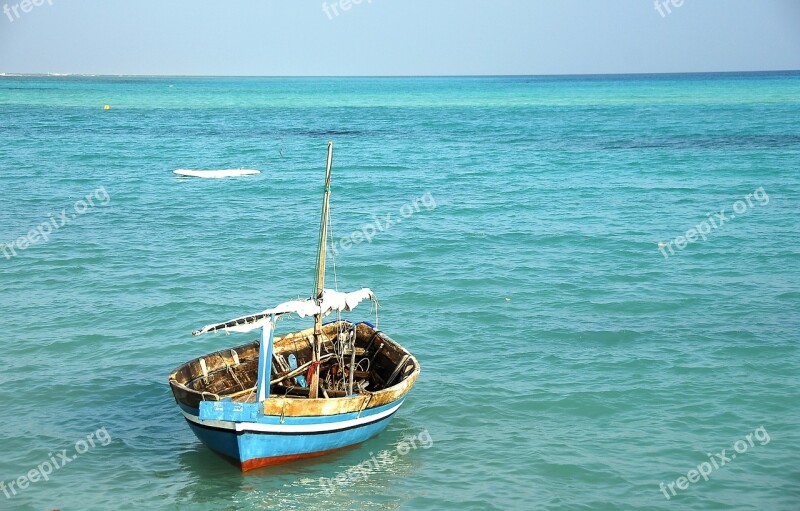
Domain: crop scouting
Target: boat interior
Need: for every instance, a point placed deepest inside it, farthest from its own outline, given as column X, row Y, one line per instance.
column 355, row 358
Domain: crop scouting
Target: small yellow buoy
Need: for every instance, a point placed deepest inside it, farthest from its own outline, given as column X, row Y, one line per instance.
column 106, row 107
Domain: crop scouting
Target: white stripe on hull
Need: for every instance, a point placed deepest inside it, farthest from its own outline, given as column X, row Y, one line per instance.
column 290, row 428
column 211, row 424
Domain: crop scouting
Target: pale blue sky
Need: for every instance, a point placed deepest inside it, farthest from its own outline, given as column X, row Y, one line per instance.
column 397, row 37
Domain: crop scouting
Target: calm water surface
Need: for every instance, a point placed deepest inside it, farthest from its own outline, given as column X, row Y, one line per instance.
column 568, row 362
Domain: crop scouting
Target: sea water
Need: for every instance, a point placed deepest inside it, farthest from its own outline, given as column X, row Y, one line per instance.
column 600, row 277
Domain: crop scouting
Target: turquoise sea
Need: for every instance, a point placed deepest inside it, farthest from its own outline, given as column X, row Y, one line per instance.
column 568, row 361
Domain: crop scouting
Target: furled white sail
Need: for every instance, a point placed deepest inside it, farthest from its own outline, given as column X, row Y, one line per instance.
column 331, row 301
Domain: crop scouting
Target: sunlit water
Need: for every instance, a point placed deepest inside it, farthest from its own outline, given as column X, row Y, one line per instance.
column 568, row 362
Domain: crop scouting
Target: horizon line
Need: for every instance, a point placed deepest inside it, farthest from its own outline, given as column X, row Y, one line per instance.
column 9, row 74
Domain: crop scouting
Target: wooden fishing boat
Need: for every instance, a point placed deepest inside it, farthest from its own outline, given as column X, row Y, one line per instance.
column 302, row 394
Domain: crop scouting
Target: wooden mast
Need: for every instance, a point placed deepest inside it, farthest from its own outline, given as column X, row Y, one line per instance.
column 320, row 285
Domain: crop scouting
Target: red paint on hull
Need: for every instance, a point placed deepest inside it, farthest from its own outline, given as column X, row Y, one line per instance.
column 278, row 460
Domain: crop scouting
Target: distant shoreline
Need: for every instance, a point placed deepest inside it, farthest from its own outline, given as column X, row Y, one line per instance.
column 574, row 75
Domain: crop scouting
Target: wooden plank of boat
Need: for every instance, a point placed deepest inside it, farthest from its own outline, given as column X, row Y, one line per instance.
column 216, row 174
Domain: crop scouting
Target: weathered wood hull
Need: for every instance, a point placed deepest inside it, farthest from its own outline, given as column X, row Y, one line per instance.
column 212, row 393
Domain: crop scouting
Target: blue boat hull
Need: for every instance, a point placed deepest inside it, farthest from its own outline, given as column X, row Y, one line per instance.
column 268, row 442
column 227, row 406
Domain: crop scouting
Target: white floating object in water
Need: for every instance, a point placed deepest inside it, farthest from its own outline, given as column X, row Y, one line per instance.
column 216, row 173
